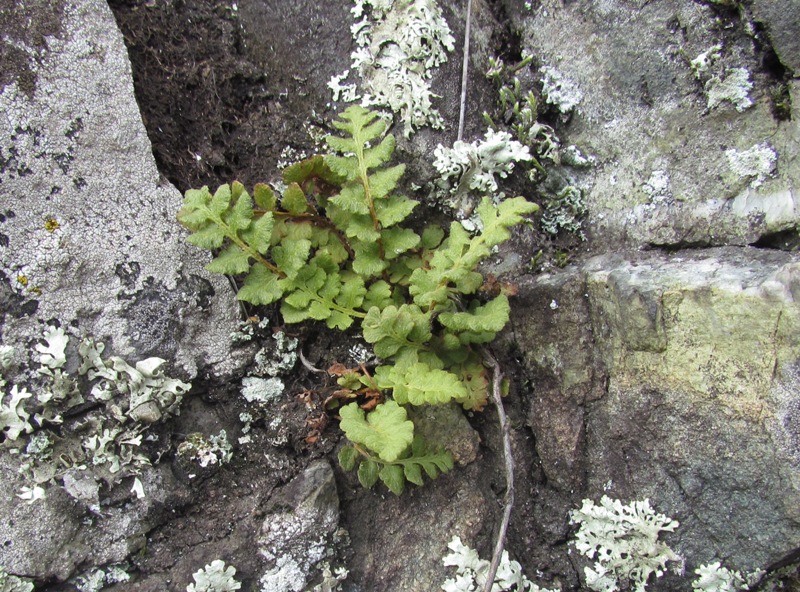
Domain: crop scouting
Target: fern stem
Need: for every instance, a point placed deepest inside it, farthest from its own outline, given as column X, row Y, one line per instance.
column 505, row 430
column 464, row 74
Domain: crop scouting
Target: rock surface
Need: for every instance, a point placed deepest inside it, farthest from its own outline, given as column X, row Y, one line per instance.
column 663, row 374
column 663, row 130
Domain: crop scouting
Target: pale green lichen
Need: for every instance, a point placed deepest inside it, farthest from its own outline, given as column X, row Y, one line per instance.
column 472, row 571
column 205, row 451
column 622, row 540
column 100, row 444
column 560, row 91
column 565, row 212
column 757, row 162
column 11, row 583
column 477, row 165
column 733, row 88
column 713, row 577
column 398, row 44
column 97, row 578
column 214, row 577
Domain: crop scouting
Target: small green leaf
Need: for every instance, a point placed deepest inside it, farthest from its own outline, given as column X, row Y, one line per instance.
column 362, row 227
column 383, row 181
column 367, row 261
column 261, row 286
column 238, row 217
column 348, row 457
column 291, row 255
column 294, row 200
column 423, row 385
column 221, row 200
column 491, row 317
column 432, row 236
column 210, row 237
column 231, row 261
column 259, row 234
column 397, row 241
column 392, row 476
column 368, row 473
column 413, row 473
column 352, row 199
column 264, row 197
column 377, row 155
column 394, row 210
column 386, row 430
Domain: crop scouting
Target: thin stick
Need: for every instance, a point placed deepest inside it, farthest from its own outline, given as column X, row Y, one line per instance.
column 505, row 430
column 464, row 75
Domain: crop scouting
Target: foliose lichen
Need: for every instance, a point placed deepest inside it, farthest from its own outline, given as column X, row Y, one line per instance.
column 398, row 44
column 471, row 572
column 214, row 577
column 757, row 162
column 59, row 439
column 622, row 540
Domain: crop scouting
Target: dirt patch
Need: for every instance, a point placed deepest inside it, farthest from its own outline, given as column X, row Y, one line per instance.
column 221, row 86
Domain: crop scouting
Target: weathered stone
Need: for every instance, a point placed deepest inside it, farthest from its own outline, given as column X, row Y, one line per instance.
column 661, row 143
column 300, row 529
column 698, row 354
column 782, row 21
column 88, row 228
column 88, row 239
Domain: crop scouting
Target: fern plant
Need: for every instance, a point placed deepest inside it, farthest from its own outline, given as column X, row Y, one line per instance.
column 333, row 248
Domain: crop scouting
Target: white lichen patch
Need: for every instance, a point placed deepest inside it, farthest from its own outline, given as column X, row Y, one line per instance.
column 398, row 44
column 560, row 91
column 206, row 451
column 471, row 572
column 701, row 65
column 758, row 163
column 713, row 577
column 262, row 390
column 657, row 187
column 9, row 583
column 105, row 446
column 214, row 577
column 733, row 88
column 477, row 165
column 622, row 540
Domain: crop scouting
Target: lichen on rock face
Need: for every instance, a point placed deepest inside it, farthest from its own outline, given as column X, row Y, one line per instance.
column 398, row 42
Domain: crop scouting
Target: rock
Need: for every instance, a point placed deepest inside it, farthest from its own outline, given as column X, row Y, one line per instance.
column 301, row 530
column 669, row 90
column 782, row 21
column 697, row 356
column 88, row 240
column 87, row 229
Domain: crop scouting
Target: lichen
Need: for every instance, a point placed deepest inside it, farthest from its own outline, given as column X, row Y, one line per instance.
column 477, row 165
column 559, row 91
column 398, row 44
column 212, row 450
column 214, row 577
column 734, row 88
column 11, row 583
column 100, row 443
column 622, row 540
column 757, row 162
column 471, row 572
column 713, row 577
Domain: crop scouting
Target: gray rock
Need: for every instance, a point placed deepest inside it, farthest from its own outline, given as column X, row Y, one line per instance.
column 674, row 378
column 782, row 21
column 88, row 238
column 300, row 530
column 88, row 233
column 665, row 134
